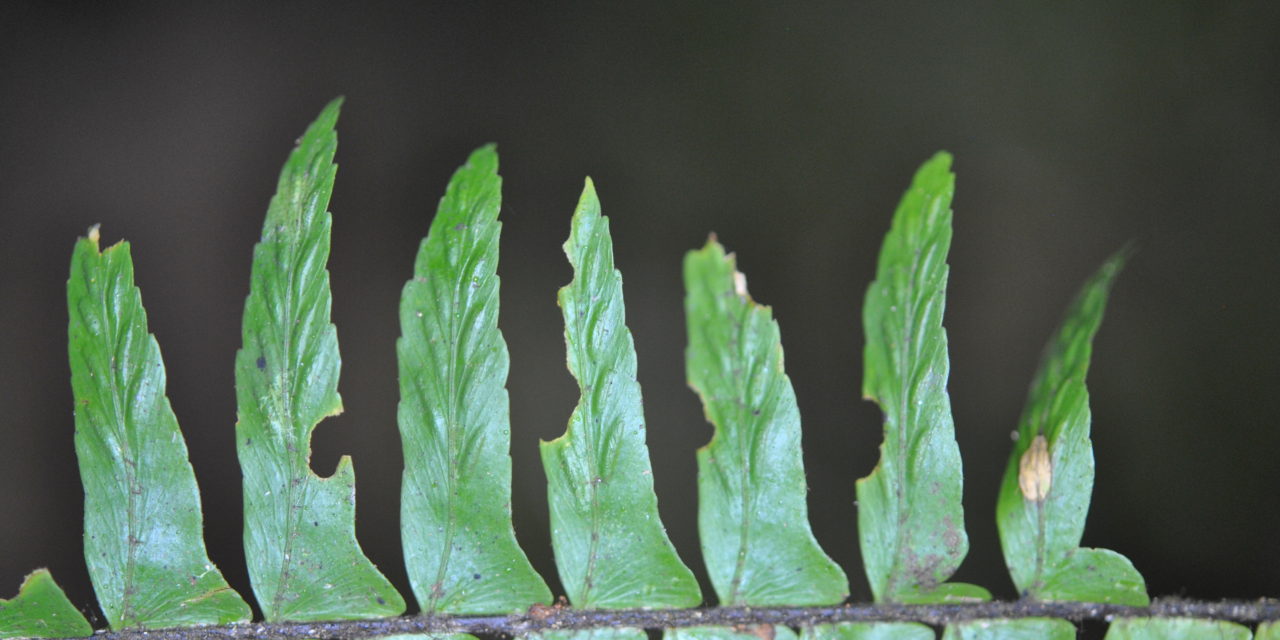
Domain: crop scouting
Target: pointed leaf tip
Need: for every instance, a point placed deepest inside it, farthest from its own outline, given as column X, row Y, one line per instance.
column 328, row 117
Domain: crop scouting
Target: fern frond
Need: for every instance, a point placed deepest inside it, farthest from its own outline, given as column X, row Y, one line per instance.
column 147, row 557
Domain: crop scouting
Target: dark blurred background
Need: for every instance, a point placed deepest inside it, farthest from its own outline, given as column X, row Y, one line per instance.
column 791, row 130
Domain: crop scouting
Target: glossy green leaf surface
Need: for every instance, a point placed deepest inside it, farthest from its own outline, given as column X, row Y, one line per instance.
column 455, row 510
column 869, row 631
column 1267, row 631
column 910, row 520
column 1019, row 629
column 611, row 550
column 299, row 535
column 1176, row 629
column 1049, row 479
column 752, row 516
column 41, row 610
column 143, row 528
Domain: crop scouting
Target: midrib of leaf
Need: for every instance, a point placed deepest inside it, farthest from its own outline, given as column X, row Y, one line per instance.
column 125, row 441
column 744, row 475
column 451, row 439
column 131, row 558
column 593, row 487
column 1040, row 543
column 127, row 614
column 906, row 347
column 744, row 532
column 903, row 534
column 1041, row 516
column 452, row 435
column 593, row 461
column 283, row 401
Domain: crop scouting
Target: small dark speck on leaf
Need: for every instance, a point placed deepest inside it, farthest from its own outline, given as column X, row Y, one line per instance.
column 262, row 362
column 460, row 226
column 475, row 576
column 381, row 600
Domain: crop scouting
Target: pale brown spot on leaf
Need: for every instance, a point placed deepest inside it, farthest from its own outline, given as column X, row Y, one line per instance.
column 1035, row 470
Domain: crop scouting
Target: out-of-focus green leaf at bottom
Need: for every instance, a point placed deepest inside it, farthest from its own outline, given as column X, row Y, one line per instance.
column 41, row 610
column 431, row 636
column 869, row 631
column 1176, row 629
column 762, row 632
column 1021, row 629
column 591, row 634
column 1267, row 631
